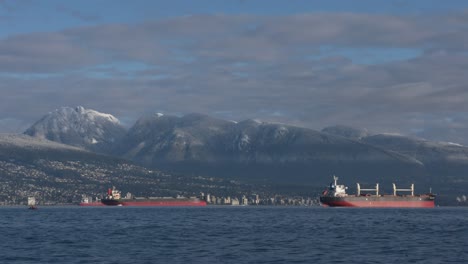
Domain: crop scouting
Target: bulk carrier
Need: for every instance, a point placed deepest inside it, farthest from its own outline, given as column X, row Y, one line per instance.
column 335, row 195
column 114, row 198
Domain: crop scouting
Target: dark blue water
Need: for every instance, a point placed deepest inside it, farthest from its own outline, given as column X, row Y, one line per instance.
column 233, row 235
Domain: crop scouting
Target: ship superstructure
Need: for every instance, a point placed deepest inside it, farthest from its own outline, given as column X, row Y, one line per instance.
column 32, row 203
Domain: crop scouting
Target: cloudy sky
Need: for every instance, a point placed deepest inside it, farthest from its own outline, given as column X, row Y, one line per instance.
column 389, row 66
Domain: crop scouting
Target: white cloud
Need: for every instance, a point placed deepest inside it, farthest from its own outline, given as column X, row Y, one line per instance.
column 272, row 68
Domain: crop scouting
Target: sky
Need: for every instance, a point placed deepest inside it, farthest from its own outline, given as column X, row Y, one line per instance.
column 388, row 66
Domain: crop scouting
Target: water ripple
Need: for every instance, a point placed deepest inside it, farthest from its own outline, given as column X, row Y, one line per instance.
column 233, row 235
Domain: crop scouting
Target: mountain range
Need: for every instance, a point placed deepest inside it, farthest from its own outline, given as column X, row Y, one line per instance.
column 260, row 152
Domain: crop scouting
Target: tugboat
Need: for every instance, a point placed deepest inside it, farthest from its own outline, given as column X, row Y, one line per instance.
column 32, row 203
column 335, row 195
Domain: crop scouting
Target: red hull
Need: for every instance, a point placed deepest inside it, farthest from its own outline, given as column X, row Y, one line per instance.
column 92, row 204
column 382, row 204
column 164, row 203
column 379, row 201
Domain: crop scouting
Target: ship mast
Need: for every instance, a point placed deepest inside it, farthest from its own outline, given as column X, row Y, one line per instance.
column 359, row 189
column 411, row 189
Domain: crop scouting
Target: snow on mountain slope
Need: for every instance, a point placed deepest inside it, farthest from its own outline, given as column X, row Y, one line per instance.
column 28, row 142
column 421, row 149
column 79, row 127
column 201, row 138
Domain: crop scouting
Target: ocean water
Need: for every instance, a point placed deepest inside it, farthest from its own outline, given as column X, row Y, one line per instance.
column 233, row 235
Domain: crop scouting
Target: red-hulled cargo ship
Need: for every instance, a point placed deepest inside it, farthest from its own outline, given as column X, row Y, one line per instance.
column 114, row 198
column 335, row 195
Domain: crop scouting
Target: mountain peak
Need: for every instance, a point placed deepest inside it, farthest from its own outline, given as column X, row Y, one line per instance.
column 79, row 127
column 79, row 109
column 79, row 112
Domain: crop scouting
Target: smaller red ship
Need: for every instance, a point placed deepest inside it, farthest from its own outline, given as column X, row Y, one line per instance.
column 114, row 198
column 335, row 195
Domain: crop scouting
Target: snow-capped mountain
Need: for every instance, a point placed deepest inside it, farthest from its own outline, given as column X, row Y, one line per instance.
column 255, row 150
column 425, row 151
column 79, row 127
column 196, row 137
column 169, row 138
